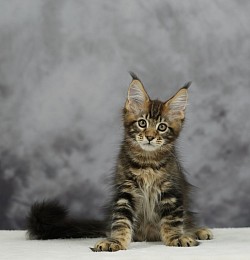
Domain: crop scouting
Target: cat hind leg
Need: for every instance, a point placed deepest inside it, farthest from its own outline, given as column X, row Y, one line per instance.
column 203, row 234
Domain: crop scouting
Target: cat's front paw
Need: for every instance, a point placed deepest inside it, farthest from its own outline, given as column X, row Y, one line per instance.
column 204, row 234
column 183, row 241
column 110, row 245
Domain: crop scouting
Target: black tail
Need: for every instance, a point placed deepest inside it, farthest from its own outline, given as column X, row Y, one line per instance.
column 49, row 220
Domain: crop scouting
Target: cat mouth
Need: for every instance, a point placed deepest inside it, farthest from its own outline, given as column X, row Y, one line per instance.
column 148, row 147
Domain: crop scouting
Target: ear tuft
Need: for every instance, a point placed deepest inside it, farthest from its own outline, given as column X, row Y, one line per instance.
column 133, row 75
column 187, row 85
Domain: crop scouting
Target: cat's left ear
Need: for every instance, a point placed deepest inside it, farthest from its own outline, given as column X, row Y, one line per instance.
column 138, row 98
column 175, row 107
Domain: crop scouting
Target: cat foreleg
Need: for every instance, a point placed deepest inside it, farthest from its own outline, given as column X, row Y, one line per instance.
column 172, row 219
column 121, row 227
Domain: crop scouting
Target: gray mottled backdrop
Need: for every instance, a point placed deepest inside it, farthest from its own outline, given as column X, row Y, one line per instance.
column 63, row 82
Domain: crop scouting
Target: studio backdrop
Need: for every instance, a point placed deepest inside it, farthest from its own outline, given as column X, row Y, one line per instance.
column 63, row 83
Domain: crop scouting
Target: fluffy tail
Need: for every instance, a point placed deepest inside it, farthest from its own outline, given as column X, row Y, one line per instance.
column 49, row 220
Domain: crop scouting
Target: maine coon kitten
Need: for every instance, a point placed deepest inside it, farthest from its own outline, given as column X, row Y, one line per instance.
column 151, row 198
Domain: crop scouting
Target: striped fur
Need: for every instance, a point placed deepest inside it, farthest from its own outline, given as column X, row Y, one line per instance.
column 151, row 195
column 151, row 201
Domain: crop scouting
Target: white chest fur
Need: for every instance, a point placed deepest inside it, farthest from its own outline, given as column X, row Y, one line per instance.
column 148, row 193
column 148, row 219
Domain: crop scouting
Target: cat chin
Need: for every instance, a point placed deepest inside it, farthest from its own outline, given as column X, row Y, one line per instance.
column 148, row 147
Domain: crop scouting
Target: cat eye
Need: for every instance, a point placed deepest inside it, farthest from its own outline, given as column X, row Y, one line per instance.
column 142, row 123
column 162, row 127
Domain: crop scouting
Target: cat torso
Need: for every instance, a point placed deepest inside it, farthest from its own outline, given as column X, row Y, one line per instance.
column 147, row 181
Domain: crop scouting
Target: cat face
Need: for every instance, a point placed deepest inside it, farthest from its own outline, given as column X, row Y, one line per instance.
column 151, row 132
column 152, row 124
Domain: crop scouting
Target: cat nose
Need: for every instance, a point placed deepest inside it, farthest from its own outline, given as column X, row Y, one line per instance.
column 150, row 138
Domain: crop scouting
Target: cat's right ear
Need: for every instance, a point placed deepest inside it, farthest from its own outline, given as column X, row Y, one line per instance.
column 138, row 98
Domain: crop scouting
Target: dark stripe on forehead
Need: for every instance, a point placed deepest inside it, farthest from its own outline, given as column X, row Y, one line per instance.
column 155, row 109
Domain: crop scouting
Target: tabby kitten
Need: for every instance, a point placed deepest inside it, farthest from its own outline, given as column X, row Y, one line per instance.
column 151, row 197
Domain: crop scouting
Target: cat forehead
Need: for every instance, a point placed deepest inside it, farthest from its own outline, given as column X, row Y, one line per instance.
column 154, row 109
column 153, row 114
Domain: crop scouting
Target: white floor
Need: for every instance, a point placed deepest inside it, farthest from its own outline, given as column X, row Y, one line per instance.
column 228, row 244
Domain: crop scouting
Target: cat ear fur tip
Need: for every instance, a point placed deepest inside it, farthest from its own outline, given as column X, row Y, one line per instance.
column 133, row 75
column 187, row 85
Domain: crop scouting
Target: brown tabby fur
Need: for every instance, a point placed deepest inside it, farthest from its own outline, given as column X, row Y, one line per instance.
column 152, row 195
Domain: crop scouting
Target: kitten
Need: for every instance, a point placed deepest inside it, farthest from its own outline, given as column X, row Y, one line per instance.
column 151, row 194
